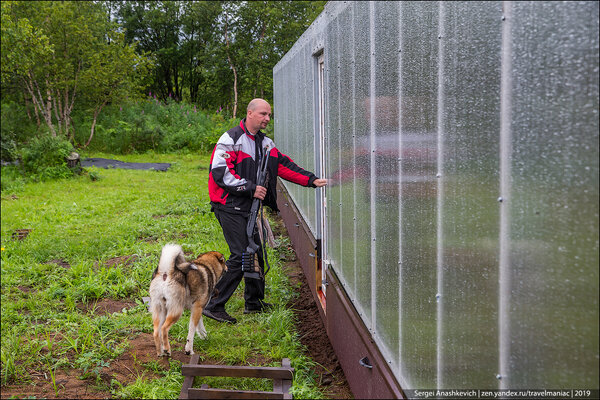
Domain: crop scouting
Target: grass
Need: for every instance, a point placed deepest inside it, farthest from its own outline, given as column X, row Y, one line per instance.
column 98, row 217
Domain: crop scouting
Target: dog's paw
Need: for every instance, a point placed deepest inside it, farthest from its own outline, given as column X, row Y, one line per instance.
column 166, row 353
column 202, row 334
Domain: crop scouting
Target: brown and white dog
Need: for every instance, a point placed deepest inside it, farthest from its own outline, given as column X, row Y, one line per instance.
column 177, row 284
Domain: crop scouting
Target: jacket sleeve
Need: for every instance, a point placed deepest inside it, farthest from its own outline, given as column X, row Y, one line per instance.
column 290, row 171
column 223, row 169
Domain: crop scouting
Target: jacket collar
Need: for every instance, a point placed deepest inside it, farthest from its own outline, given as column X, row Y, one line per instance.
column 247, row 132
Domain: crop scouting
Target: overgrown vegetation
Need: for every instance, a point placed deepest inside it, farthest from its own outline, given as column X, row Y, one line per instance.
column 67, row 66
column 78, row 228
column 154, row 125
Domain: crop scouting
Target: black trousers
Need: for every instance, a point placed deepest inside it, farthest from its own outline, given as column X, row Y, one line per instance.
column 234, row 230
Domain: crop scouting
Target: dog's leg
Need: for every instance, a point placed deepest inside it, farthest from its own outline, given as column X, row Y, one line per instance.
column 158, row 319
column 156, row 323
column 200, row 329
column 195, row 319
column 169, row 321
column 189, row 343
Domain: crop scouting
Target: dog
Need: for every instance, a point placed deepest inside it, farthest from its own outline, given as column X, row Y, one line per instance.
column 177, row 284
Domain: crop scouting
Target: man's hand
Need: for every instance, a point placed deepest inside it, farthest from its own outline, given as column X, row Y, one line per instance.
column 320, row 182
column 260, row 192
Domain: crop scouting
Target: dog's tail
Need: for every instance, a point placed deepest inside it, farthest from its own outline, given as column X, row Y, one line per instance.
column 171, row 255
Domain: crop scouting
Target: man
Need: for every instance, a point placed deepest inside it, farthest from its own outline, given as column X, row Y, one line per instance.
column 232, row 188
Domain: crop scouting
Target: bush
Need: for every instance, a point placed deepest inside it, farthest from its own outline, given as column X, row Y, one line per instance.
column 137, row 127
column 12, row 179
column 44, row 158
column 15, row 129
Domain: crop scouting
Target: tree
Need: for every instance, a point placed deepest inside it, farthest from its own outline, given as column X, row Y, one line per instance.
column 53, row 50
column 199, row 23
column 221, row 53
column 228, row 13
column 156, row 25
column 264, row 32
column 118, row 71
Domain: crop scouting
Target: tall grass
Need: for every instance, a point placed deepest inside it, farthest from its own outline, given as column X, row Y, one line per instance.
column 79, row 224
column 138, row 126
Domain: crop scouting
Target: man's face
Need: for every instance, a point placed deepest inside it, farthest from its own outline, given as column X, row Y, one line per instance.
column 259, row 117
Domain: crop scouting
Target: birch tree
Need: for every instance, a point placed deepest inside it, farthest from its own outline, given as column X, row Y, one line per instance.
column 61, row 53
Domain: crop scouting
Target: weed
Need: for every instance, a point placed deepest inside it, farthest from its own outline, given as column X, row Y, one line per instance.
column 53, row 379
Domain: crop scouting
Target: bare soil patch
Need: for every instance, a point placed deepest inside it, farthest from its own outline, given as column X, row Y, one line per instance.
column 26, row 289
column 106, row 306
column 122, row 260
column 60, row 262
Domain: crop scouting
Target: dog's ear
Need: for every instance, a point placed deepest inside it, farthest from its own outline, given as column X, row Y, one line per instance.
column 221, row 258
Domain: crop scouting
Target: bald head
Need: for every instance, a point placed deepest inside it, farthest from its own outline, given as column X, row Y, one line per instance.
column 255, row 103
column 258, row 115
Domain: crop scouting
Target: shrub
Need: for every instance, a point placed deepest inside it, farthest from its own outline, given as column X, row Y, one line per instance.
column 15, row 128
column 44, row 158
column 12, row 179
column 136, row 127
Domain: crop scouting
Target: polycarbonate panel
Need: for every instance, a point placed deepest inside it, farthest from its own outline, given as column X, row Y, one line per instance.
column 467, row 194
column 333, row 131
column 346, row 161
column 462, row 154
column 418, row 153
column 553, row 200
column 385, row 102
column 309, row 144
column 362, row 162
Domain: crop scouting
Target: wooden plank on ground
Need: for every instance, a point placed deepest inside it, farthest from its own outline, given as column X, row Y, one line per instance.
column 211, row 393
column 237, row 371
column 286, row 384
column 189, row 380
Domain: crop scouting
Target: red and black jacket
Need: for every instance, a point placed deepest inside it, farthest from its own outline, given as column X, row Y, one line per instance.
column 233, row 167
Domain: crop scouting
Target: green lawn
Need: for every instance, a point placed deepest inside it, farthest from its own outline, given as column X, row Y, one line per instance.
column 88, row 224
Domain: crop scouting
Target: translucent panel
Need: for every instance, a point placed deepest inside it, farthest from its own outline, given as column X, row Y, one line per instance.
column 333, row 130
column 554, row 196
column 362, row 162
column 462, row 151
column 418, row 150
column 470, row 132
column 309, row 145
column 346, row 162
column 385, row 102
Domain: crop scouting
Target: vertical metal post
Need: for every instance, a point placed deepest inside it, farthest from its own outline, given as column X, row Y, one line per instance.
column 440, row 200
column 505, row 198
column 340, row 152
column 400, row 44
column 373, row 187
column 354, row 182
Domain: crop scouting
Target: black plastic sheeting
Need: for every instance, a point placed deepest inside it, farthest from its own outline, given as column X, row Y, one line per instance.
column 106, row 163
